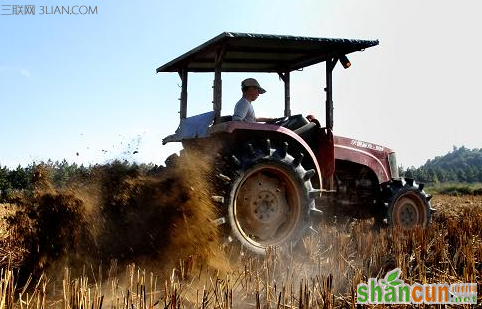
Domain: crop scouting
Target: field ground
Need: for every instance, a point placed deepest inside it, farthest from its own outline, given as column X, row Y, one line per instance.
column 321, row 273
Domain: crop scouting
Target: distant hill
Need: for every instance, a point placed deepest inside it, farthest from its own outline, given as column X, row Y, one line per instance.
column 459, row 165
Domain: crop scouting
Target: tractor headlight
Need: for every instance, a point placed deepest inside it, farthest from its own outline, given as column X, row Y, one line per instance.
column 392, row 162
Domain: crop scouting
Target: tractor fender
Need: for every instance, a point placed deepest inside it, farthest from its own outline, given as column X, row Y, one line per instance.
column 231, row 126
column 373, row 156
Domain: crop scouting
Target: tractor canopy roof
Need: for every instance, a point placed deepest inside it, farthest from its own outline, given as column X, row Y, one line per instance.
column 245, row 52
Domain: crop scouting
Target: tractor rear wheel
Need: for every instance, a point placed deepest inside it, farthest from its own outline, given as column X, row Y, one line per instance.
column 268, row 197
column 409, row 206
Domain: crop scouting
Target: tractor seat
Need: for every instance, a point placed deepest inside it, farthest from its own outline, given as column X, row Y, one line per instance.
column 295, row 122
column 306, row 131
column 225, row 118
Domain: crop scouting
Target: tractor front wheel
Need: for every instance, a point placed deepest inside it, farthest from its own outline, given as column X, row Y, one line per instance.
column 409, row 206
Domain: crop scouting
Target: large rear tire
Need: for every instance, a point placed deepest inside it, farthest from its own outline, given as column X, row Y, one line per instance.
column 268, row 196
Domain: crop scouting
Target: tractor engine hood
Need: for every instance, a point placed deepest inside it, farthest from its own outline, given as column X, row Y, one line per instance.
column 380, row 159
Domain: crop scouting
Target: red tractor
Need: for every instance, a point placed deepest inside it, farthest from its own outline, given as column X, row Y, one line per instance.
column 272, row 177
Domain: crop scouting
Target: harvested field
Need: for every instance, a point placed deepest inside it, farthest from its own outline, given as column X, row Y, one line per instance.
column 130, row 240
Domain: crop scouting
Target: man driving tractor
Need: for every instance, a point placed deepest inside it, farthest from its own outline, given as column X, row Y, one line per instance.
column 244, row 111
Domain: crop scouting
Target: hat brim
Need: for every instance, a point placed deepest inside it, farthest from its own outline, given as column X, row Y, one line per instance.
column 261, row 90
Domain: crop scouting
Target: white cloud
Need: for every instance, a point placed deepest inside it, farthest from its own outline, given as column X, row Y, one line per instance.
column 24, row 72
column 13, row 70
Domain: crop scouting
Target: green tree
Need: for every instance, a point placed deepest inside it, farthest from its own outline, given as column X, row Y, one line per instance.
column 20, row 178
column 459, row 165
column 4, row 182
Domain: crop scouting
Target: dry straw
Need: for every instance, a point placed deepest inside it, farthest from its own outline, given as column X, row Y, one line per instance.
column 322, row 272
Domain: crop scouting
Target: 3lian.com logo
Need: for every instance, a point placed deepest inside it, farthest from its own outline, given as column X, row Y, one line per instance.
column 392, row 290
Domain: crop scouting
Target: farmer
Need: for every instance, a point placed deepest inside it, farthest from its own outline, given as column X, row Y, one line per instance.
column 243, row 111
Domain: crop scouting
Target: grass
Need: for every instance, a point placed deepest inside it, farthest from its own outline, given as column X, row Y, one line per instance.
column 322, row 273
column 455, row 189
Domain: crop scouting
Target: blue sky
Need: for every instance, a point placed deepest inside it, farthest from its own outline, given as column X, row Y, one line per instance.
column 84, row 88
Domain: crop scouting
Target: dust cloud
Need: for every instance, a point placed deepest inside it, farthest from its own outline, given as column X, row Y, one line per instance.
column 118, row 212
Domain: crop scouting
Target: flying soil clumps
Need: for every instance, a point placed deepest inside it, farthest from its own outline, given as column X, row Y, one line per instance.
column 117, row 211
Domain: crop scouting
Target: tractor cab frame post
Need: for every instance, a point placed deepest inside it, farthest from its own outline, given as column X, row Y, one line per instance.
column 218, row 84
column 330, row 65
column 285, row 77
column 183, row 106
column 328, row 182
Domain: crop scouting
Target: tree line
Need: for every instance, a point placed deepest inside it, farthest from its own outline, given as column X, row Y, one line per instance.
column 21, row 177
column 60, row 173
column 460, row 165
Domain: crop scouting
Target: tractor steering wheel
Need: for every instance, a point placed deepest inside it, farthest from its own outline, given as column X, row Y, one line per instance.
column 278, row 121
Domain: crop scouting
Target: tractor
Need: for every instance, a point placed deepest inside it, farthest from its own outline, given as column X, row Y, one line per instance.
column 272, row 178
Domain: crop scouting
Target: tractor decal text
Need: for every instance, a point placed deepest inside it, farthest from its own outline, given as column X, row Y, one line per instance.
column 361, row 144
